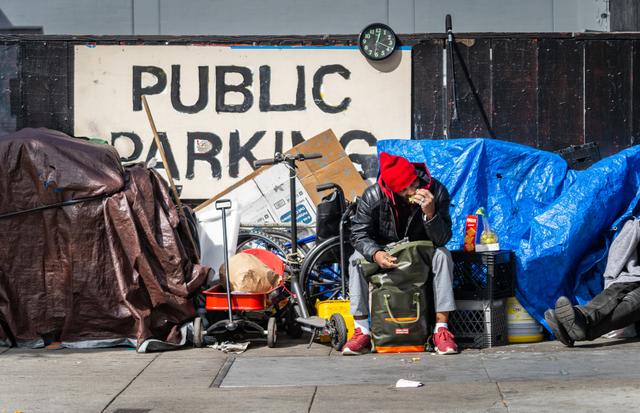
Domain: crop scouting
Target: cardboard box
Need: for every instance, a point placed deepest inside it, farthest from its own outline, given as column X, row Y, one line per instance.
column 253, row 204
column 334, row 166
column 271, row 183
column 470, row 231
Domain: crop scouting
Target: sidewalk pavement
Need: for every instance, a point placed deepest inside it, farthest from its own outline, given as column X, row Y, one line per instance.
column 546, row 377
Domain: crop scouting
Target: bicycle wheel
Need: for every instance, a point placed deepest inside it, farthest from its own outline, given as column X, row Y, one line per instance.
column 285, row 238
column 320, row 275
column 258, row 239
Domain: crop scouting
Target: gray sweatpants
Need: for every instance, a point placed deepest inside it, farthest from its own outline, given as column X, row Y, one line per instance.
column 442, row 264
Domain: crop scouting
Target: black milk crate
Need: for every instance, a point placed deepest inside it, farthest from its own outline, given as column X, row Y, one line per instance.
column 581, row 156
column 475, row 274
column 477, row 324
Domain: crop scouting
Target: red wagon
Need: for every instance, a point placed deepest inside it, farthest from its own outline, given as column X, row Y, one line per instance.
column 217, row 299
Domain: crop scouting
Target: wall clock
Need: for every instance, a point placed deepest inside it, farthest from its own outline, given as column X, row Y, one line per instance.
column 377, row 41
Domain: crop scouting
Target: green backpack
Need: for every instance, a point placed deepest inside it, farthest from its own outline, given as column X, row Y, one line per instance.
column 398, row 302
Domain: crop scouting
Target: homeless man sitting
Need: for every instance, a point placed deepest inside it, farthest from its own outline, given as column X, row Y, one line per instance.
column 616, row 307
column 405, row 202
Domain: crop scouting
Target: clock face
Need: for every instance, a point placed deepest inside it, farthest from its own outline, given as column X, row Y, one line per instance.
column 377, row 41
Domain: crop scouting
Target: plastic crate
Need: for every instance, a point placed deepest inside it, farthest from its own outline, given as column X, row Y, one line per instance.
column 483, row 275
column 581, row 156
column 477, row 324
column 327, row 308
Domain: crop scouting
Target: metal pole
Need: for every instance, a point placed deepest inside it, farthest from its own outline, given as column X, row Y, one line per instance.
column 294, row 213
column 231, row 325
column 342, row 257
column 450, row 46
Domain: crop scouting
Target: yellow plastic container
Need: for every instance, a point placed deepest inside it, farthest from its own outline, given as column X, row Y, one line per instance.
column 522, row 328
column 327, row 308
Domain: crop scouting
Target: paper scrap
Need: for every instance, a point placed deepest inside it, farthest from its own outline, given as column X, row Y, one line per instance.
column 408, row 383
column 230, row 347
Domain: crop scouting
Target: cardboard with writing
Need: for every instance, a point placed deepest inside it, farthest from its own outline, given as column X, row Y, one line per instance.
column 272, row 183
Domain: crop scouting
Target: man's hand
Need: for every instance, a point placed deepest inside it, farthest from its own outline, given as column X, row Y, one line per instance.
column 426, row 201
column 385, row 260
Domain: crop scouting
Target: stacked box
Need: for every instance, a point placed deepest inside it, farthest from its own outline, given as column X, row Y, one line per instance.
column 479, row 324
column 481, row 275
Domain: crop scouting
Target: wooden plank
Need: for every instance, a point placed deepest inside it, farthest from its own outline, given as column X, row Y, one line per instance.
column 635, row 93
column 476, row 57
column 8, row 81
column 44, row 82
column 608, row 94
column 427, row 94
column 513, row 84
column 625, row 15
column 560, row 97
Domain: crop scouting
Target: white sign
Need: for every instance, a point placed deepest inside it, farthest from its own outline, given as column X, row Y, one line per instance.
column 219, row 108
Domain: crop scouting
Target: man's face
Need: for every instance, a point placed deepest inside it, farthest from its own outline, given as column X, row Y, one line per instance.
column 410, row 190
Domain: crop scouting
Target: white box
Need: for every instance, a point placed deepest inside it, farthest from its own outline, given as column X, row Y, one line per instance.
column 251, row 204
column 487, row 247
column 273, row 184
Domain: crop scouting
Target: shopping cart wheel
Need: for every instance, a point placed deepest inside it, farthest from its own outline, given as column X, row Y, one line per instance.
column 198, row 336
column 337, row 331
column 272, row 332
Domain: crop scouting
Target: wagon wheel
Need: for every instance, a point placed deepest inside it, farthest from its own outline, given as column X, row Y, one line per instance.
column 272, row 332
column 197, row 332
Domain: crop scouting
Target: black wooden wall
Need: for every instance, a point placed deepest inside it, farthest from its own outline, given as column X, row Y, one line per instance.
column 544, row 90
column 625, row 15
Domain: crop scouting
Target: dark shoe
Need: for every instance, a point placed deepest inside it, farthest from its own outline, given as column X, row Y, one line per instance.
column 571, row 319
column 557, row 329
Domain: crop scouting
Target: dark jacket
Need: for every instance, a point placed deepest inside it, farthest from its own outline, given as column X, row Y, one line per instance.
column 374, row 223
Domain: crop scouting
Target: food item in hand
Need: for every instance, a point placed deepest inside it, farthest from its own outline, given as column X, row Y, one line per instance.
column 413, row 200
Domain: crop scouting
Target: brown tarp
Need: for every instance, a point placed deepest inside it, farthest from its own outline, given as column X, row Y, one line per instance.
column 89, row 251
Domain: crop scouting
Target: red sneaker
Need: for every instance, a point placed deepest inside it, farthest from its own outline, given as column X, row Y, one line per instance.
column 443, row 341
column 359, row 344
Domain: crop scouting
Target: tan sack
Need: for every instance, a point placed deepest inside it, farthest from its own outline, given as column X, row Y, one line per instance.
column 249, row 274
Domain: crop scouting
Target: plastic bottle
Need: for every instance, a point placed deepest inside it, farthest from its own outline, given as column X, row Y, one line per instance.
column 487, row 236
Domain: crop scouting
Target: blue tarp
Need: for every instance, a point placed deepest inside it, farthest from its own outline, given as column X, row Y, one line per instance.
column 558, row 221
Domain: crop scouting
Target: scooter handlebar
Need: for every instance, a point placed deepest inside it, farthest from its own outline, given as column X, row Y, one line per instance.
column 282, row 158
column 262, row 162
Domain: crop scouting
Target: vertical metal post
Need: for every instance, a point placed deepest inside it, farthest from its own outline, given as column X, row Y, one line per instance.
column 343, row 273
column 294, row 213
column 226, row 264
column 295, row 283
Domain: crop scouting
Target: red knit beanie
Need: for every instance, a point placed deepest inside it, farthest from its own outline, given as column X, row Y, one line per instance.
column 396, row 172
